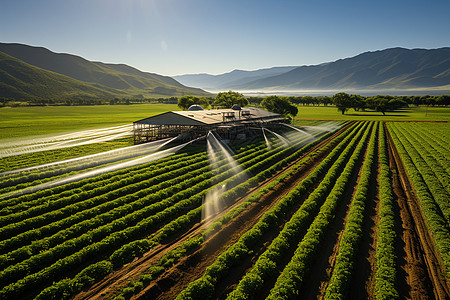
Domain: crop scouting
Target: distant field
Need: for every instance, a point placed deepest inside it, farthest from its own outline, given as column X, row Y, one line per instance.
column 409, row 114
column 29, row 121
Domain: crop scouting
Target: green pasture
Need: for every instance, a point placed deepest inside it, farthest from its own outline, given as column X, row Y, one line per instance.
column 30, row 121
column 421, row 113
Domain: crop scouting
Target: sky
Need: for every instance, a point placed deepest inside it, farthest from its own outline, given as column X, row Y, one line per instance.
column 173, row 37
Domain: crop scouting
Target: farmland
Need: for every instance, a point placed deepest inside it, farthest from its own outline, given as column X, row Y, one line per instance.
column 352, row 208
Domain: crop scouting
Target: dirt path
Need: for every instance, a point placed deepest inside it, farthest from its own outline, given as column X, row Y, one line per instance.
column 191, row 267
column 419, row 261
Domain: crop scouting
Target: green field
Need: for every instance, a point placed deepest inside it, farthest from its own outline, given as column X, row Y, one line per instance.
column 29, row 121
column 420, row 113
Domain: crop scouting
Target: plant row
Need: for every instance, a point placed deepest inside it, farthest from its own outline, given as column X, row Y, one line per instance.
column 386, row 272
column 436, row 222
column 426, row 171
column 271, row 219
column 349, row 242
column 172, row 208
column 188, row 215
column 289, row 282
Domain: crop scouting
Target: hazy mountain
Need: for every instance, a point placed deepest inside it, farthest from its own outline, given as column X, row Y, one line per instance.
column 395, row 68
column 127, row 80
column 229, row 80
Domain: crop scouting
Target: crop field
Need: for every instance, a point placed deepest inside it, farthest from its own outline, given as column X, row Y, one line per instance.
column 343, row 209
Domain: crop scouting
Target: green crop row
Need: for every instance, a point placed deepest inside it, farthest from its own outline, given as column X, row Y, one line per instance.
column 128, row 233
column 436, row 222
column 438, row 192
column 22, row 202
column 205, row 285
column 427, row 162
column 172, row 256
column 348, row 244
column 267, row 264
column 110, row 210
column 136, row 248
column 288, row 283
column 385, row 273
column 38, row 158
column 440, row 154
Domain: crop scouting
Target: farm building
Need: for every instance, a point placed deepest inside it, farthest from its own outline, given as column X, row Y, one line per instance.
column 234, row 123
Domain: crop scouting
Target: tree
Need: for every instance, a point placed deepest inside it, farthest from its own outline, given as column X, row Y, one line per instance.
column 358, row 102
column 188, row 100
column 228, row 99
column 280, row 105
column 343, row 102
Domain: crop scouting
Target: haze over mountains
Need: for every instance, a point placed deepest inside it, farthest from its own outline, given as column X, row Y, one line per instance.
column 36, row 72
column 395, row 68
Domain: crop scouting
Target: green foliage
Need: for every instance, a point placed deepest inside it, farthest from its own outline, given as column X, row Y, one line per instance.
column 288, row 283
column 185, row 102
column 280, row 105
column 385, row 274
column 424, row 186
column 342, row 101
column 228, row 99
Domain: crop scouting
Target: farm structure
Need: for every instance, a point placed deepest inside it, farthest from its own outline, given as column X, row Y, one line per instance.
column 231, row 124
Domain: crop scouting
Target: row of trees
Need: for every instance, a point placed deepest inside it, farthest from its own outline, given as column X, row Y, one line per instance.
column 279, row 105
column 344, row 102
column 442, row 100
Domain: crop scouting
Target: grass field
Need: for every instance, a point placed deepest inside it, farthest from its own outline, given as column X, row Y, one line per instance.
column 409, row 114
column 29, row 121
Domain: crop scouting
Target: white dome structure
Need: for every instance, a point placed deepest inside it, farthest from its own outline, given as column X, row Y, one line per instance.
column 195, row 107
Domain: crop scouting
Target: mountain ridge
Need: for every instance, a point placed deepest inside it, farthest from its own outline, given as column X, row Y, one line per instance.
column 392, row 68
column 121, row 79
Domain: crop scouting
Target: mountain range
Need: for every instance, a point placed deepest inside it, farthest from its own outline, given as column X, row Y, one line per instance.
column 36, row 72
column 389, row 69
column 28, row 72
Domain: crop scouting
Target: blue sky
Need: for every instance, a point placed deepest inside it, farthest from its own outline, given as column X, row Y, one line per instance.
column 172, row 37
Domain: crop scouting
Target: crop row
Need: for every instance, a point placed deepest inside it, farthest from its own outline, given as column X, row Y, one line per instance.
column 439, row 168
column 439, row 193
column 436, row 222
column 439, row 152
column 106, row 212
column 172, row 256
column 172, row 209
column 38, row 158
column 23, row 201
column 291, row 278
column 385, row 274
column 187, row 213
column 431, row 133
column 272, row 218
column 349, row 242
column 267, row 264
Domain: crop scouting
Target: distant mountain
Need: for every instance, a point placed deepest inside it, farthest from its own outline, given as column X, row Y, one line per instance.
column 229, row 80
column 111, row 79
column 395, row 68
